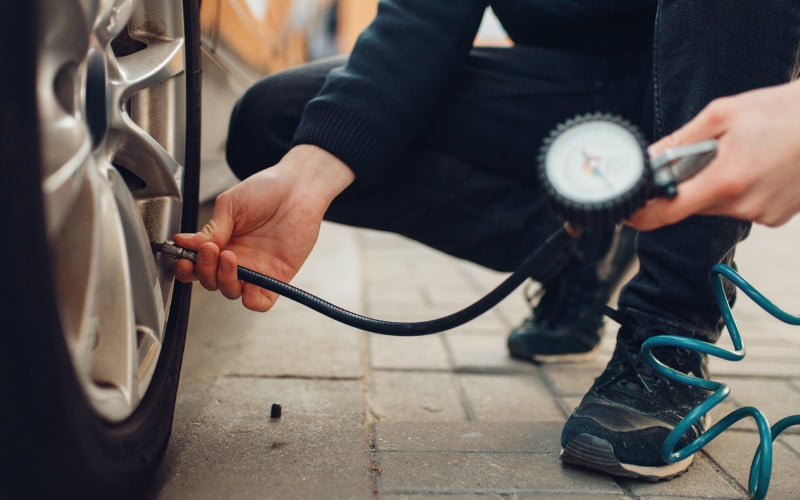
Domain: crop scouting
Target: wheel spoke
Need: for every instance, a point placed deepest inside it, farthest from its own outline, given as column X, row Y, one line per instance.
column 143, row 156
column 112, row 18
column 149, row 308
column 66, row 152
column 158, row 62
column 74, row 252
column 114, row 355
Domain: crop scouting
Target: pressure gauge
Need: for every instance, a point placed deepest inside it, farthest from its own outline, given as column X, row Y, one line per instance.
column 597, row 172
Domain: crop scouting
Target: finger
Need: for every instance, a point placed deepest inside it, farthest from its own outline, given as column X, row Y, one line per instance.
column 257, row 299
column 227, row 278
column 206, row 265
column 192, row 241
column 650, row 217
column 696, row 195
column 184, row 271
column 710, row 123
column 218, row 229
column 211, row 231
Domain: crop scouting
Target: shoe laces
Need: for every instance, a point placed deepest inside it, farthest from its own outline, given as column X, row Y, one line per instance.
column 634, row 373
column 633, row 376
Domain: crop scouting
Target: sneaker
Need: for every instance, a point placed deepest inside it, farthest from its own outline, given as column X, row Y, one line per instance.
column 624, row 419
column 566, row 323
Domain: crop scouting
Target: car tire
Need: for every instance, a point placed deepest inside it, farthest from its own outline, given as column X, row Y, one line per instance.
column 74, row 424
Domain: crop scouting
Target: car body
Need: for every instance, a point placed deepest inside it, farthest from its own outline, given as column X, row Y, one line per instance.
column 243, row 40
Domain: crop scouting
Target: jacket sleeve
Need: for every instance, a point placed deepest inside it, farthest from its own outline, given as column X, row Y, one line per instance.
column 368, row 111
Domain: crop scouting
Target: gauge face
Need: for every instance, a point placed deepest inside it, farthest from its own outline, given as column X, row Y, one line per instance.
column 595, row 161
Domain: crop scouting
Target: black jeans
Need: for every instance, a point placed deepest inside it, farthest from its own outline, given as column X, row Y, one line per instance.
column 468, row 187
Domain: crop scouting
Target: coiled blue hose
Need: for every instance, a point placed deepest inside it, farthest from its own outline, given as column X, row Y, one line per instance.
column 761, row 468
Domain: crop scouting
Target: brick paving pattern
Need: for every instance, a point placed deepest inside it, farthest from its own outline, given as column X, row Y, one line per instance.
column 445, row 416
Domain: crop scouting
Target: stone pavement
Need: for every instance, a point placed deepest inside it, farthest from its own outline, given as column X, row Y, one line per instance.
column 445, row 416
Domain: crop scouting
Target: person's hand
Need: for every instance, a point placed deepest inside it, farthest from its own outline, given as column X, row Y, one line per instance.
column 756, row 173
column 269, row 223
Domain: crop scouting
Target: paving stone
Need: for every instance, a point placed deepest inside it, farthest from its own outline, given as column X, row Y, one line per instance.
column 774, row 397
column 724, row 409
column 487, row 323
column 405, row 264
column 573, row 379
column 474, row 352
column 456, row 295
column 792, row 442
column 485, row 473
column 225, row 338
column 477, row 436
column 440, row 496
column 779, row 353
column 756, row 368
column 765, row 357
column 233, row 448
column 421, row 392
column 682, row 497
column 415, row 396
column 289, row 340
column 510, row 398
column 411, row 264
column 702, row 480
column 216, row 333
column 326, row 350
column 733, row 452
column 569, row 403
column 483, row 277
column 514, row 308
column 409, row 353
column 380, row 300
column 376, row 240
column 568, row 495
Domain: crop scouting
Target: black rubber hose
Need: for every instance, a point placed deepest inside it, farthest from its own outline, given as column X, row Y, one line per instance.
column 554, row 243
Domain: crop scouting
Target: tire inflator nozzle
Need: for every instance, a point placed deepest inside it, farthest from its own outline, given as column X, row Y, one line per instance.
column 170, row 249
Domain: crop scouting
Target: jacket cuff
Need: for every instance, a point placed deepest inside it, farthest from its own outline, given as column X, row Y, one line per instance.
column 345, row 134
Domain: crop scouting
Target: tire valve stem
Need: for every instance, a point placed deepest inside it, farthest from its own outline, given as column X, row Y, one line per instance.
column 171, row 250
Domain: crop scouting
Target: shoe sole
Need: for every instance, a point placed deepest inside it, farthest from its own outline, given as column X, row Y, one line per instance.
column 595, row 453
column 570, row 357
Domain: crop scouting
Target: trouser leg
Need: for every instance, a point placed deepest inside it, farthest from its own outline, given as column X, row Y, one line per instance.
column 704, row 50
column 467, row 186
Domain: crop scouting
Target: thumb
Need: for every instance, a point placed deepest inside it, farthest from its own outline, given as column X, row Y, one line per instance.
column 217, row 230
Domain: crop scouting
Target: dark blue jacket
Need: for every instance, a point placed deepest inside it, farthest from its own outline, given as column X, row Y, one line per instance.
column 369, row 111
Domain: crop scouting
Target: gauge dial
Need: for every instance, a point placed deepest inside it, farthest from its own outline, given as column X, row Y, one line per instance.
column 593, row 167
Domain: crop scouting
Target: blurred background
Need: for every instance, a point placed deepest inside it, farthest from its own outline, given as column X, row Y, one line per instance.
column 244, row 40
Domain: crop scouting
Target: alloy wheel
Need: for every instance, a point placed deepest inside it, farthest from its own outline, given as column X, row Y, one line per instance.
column 111, row 98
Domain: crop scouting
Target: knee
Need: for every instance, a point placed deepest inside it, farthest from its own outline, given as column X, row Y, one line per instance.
column 259, row 131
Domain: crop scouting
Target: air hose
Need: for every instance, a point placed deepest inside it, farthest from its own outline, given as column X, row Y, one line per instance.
column 543, row 255
column 761, row 468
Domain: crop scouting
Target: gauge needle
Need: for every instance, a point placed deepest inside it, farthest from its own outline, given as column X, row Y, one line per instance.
column 592, row 164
